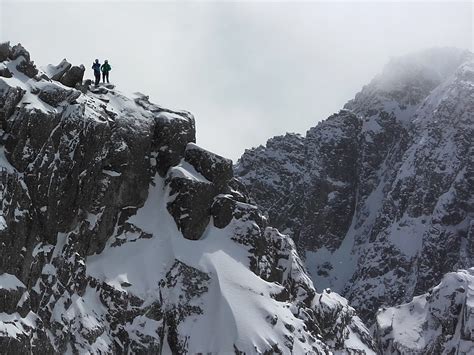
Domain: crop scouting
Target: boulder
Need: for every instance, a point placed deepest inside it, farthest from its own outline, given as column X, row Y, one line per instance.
column 213, row 167
column 73, row 76
column 4, row 72
column 222, row 210
column 4, row 51
column 56, row 72
column 191, row 206
column 53, row 95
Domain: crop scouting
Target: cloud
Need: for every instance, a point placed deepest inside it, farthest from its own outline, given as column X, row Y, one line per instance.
column 246, row 70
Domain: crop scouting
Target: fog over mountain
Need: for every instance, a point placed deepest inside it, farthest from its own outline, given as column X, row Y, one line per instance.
column 248, row 70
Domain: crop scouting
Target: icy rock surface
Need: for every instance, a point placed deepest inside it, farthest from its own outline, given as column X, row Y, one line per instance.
column 379, row 197
column 120, row 235
column 440, row 321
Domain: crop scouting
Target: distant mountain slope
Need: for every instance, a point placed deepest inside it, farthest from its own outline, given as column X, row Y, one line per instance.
column 379, row 197
column 120, row 235
column 438, row 322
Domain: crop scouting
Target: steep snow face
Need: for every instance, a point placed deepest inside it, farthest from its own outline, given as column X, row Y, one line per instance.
column 384, row 187
column 120, row 235
column 440, row 321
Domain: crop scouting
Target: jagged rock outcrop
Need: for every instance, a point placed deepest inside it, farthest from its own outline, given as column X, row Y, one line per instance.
column 379, row 197
column 118, row 234
column 440, row 321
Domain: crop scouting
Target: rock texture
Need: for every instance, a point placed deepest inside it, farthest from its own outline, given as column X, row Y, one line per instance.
column 379, row 197
column 119, row 235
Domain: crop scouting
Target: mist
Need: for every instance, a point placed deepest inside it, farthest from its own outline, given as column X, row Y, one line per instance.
column 246, row 70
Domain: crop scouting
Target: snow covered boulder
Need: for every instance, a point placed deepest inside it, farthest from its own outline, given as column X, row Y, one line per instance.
column 27, row 67
column 56, row 72
column 213, row 167
column 53, row 94
column 73, row 76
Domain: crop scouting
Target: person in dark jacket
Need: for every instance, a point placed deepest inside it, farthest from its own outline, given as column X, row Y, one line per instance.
column 96, row 67
column 106, row 68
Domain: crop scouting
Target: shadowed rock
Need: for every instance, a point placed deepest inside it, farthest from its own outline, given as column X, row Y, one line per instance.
column 4, row 51
column 73, row 76
column 213, row 167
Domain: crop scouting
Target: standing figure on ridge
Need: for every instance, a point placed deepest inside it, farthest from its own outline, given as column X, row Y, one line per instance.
column 96, row 67
column 106, row 68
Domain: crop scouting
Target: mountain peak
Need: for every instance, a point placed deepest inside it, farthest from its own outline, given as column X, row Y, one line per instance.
column 406, row 81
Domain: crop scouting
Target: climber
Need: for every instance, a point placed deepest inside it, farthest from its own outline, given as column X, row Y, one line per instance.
column 96, row 68
column 106, row 68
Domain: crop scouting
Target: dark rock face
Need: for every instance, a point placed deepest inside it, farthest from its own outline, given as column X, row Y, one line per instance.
column 377, row 196
column 213, row 167
column 331, row 168
column 107, row 243
column 4, row 51
column 9, row 98
column 281, row 179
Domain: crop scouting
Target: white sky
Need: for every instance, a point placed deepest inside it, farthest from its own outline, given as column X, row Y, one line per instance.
column 246, row 70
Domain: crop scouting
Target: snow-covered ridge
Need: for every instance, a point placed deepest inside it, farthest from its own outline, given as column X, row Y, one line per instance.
column 127, row 237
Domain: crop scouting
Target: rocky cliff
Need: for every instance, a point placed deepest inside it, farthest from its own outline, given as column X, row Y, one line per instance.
column 118, row 234
column 379, row 197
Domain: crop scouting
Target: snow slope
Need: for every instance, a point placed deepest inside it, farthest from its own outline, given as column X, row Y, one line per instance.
column 440, row 321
